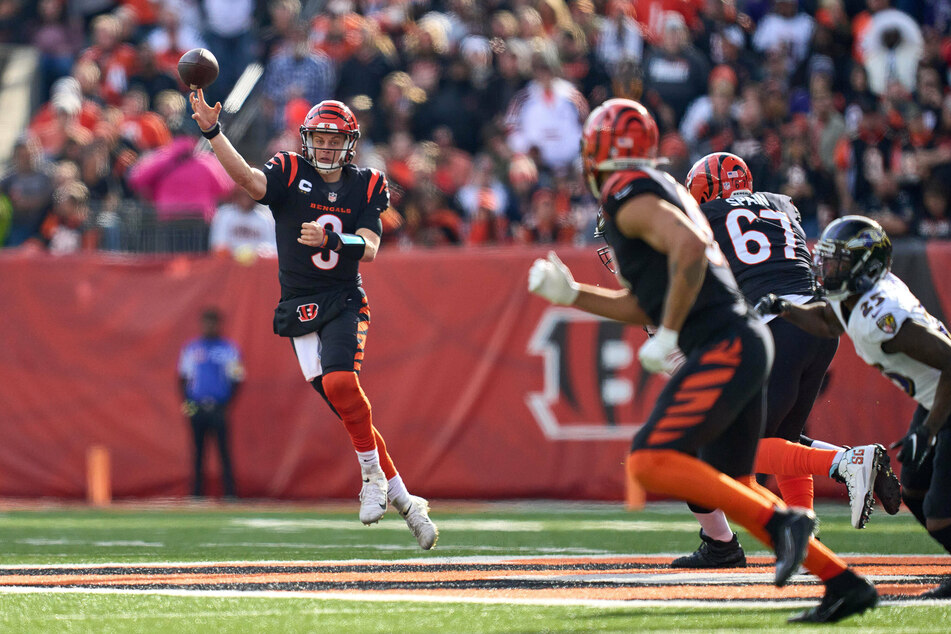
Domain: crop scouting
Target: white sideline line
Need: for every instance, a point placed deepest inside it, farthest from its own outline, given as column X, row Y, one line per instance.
column 471, row 559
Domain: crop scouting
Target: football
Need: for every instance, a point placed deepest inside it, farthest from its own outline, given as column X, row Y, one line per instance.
column 198, row 68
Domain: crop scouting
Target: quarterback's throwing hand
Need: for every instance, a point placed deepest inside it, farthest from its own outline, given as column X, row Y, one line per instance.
column 657, row 354
column 311, row 234
column 552, row 280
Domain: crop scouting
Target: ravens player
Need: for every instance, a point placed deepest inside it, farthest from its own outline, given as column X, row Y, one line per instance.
column 761, row 238
column 893, row 332
column 699, row 441
column 327, row 215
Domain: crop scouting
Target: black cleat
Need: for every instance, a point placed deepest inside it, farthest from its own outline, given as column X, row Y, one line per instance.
column 713, row 554
column 790, row 530
column 846, row 594
column 941, row 592
column 887, row 487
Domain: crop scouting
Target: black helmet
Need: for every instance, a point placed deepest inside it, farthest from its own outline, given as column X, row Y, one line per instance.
column 852, row 254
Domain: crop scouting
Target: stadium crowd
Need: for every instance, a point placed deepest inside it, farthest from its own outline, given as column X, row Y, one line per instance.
column 474, row 109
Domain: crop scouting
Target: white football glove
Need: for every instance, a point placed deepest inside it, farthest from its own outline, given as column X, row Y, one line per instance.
column 658, row 353
column 552, row 280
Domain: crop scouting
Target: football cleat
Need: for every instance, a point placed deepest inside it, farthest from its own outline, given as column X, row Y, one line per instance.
column 846, row 594
column 373, row 496
column 858, row 469
column 887, row 486
column 416, row 514
column 790, row 530
column 713, row 554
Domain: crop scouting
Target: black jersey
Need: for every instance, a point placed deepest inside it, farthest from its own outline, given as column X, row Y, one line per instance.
column 297, row 194
column 644, row 270
column 764, row 243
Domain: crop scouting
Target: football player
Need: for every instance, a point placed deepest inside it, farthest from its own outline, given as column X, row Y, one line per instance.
column 699, row 441
column 893, row 332
column 327, row 215
column 765, row 246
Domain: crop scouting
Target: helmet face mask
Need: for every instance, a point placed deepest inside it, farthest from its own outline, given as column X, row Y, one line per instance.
column 852, row 254
column 324, row 123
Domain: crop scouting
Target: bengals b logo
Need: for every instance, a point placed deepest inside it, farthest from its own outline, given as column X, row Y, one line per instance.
column 306, row 312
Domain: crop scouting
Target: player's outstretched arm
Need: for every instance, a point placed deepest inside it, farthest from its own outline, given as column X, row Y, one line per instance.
column 932, row 348
column 817, row 318
column 249, row 178
column 550, row 278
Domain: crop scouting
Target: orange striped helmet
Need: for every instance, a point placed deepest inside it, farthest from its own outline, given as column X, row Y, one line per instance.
column 619, row 134
column 718, row 175
column 332, row 117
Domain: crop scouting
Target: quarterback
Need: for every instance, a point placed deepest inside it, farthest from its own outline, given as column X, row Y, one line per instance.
column 327, row 219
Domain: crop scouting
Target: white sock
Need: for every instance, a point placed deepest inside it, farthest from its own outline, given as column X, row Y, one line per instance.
column 819, row 444
column 397, row 493
column 369, row 460
column 715, row 526
column 835, row 461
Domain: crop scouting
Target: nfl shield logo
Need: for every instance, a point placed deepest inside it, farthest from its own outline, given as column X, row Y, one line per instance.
column 332, row 197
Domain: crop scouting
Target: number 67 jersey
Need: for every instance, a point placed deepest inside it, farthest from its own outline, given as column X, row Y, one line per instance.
column 763, row 242
column 297, row 194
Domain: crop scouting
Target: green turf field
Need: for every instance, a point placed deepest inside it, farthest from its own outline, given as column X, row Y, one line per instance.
column 238, row 533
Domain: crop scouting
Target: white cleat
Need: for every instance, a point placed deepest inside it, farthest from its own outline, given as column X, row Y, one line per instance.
column 857, row 469
column 416, row 515
column 373, row 496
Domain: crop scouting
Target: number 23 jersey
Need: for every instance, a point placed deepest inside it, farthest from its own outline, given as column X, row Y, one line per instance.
column 297, row 194
column 876, row 318
column 761, row 238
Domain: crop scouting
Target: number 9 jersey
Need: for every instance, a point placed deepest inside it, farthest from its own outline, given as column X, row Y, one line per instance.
column 762, row 240
column 297, row 194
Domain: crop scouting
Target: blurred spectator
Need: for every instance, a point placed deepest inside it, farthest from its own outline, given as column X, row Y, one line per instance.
column 150, row 76
column 56, row 40
column 429, row 220
column 453, row 166
column 826, row 124
column 243, row 229
column 284, row 15
column 296, row 71
column 68, row 228
column 173, row 35
column 180, row 182
column 543, row 224
column 709, row 119
column 62, row 125
column 869, row 165
column 803, row 178
column 362, row 72
column 581, row 66
column 488, row 224
column 474, row 194
column 143, row 128
column 228, row 36
column 935, row 219
column 787, row 30
column 29, row 189
column 619, row 37
column 892, row 45
column 512, row 68
column 674, row 74
column 547, row 116
column 116, row 59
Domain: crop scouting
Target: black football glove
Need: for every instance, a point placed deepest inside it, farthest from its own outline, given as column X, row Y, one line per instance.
column 915, row 446
column 771, row 305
